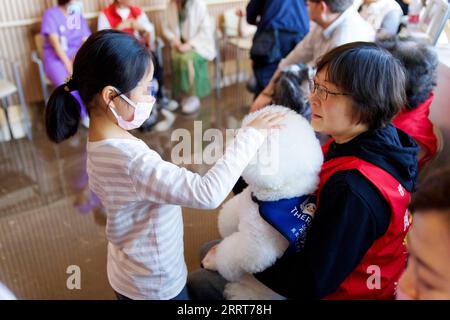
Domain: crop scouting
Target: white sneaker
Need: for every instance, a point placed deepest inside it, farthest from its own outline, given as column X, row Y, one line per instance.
column 191, row 104
column 164, row 125
column 169, row 104
column 85, row 122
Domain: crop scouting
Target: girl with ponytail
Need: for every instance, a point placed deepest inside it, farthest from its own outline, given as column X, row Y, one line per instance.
column 142, row 194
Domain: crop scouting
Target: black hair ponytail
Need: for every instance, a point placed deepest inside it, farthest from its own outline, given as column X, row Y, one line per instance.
column 62, row 114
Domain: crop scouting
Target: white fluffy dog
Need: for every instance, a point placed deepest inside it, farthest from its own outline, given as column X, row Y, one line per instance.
column 286, row 166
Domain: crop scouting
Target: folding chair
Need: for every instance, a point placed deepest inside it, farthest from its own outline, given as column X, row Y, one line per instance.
column 432, row 21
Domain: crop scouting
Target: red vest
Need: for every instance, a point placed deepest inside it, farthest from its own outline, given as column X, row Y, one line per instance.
column 417, row 124
column 114, row 18
column 388, row 254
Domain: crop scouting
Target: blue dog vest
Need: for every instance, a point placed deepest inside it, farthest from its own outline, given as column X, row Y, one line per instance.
column 291, row 217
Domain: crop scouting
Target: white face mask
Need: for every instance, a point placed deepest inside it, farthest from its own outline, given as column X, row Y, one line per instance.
column 142, row 111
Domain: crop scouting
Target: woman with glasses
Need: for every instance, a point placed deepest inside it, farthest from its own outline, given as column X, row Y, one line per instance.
column 354, row 249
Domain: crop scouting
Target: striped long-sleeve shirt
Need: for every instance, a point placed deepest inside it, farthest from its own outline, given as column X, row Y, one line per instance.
column 142, row 195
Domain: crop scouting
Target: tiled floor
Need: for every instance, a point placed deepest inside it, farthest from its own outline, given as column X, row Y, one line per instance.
column 42, row 233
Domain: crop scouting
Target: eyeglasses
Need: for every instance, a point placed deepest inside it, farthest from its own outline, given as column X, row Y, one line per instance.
column 323, row 92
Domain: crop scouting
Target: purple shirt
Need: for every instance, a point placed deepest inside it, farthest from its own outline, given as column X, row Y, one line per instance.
column 71, row 29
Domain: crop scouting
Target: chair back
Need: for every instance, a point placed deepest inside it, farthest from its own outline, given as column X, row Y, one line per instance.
column 230, row 23
column 433, row 19
column 39, row 42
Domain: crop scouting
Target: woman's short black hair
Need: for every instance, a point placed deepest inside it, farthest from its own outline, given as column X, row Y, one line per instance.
column 107, row 58
column 420, row 62
column 374, row 79
column 63, row 2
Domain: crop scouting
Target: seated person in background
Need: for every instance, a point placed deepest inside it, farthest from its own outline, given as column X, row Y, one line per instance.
column 420, row 62
column 427, row 275
column 64, row 30
column 123, row 16
column 383, row 15
column 334, row 22
column 190, row 33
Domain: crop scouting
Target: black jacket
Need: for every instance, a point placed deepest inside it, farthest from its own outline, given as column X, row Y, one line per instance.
column 351, row 216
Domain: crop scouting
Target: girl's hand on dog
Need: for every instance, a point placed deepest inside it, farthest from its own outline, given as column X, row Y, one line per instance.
column 266, row 121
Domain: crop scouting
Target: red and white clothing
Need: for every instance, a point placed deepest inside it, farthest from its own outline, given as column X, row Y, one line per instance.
column 112, row 16
column 386, row 258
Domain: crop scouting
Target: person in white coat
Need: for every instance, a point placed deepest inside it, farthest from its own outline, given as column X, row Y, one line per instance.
column 189, row 30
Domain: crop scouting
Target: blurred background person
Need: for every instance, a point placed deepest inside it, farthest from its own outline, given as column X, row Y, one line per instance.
column 283, row 23
column 420, row 62
column 383, row 15
column 189, row 30
column 64, row 29
column 334, row 23
column 427, row 276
